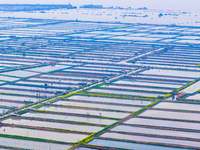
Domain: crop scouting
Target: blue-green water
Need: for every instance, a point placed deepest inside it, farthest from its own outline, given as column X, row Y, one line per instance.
column 127, row 145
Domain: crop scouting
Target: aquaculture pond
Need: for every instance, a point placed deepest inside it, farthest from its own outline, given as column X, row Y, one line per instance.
column 163, row 123
column 171, row 115
column 68, row 77
column 192, row 88
column 161, row 132
column 150, row 139
column 57, row 136
column 178, row 106
column 30, row 144
column 11, row 104
column 96, row 105
column 70, row 118
column 129, row 145
column 85, row 111
column 136, row 88
column 20, row 73
column 180, row 73
column 194, row 97
column 110, row 100
column 48, row 68
column 36, row 123
column 19, row 98
column 156, row 84
column 120, row 92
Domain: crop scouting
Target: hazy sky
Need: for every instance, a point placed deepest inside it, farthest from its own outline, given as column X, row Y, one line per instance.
column 153, row 4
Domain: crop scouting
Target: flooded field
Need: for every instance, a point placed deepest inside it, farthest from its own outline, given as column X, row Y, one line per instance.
column 63, row 137
column 53, row 125
column 70, row 118
column 85, row 112
column 110, row 100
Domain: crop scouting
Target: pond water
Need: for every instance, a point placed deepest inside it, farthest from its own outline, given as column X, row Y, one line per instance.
column 56, row 80
column 70, row 118
column 101, row 69
column 171, row 115
column 90, row 71
column 151, row 139
column 164, row 123
column 32, row 88
column 149, row 84
column 180, row 73
column 75, row 127
column 136, row 88
column 129, row 145
column 192, row 88
column 195, row 97
column 108, row 66
column 125, row 92
column 164, row 65
column 49, row 84
column 178, row 106
column 68, row 77
column 48, row 68
column 57, row 136
column 20, row 73
column 161, row 77
column 110, row 100
column 9, row 104
column 96, row 105
column 3, row 110
column 29, row 144
column 5, row 78
column 85, row 111
column 18, row 98
column 123, row 128
column 25, row 92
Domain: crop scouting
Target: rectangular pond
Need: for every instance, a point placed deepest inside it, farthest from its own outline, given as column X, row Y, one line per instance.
column 96, row 105
column 171, row 115
column 68, row 77
column 194, row 97
column 19, row 98
column 36, row 123
column 48, row 84
column 150, row 139
column 70, row 118
column 85, row 111
column 29, row 93
column 130, row 129
column 192, row 88
column 136, row 88
column 178, row 106
column 109, row 100
column 120, row 92
column 29, row 144
column 6, row 78
column 163, row 123
column 20, row 73
column 32, row 88
column 57, row 136
column 90, row 71
column 11, row 104
column 48, row 68
column 166, row 72
column 130, row 145
column 149, row 84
